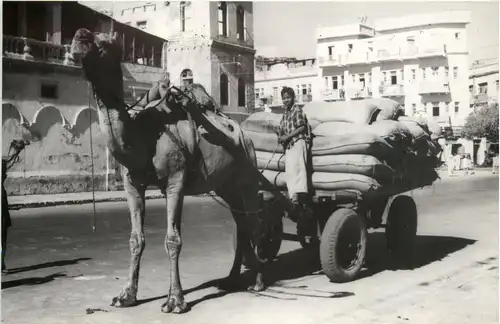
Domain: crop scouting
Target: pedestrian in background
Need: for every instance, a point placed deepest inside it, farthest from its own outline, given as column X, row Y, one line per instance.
column 7, row 162
column 495, row 164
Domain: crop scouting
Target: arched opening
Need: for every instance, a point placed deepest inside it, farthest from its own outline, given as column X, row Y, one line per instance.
column 240, row 23
column 241, row 93
column 187, row 76
column 224, row 90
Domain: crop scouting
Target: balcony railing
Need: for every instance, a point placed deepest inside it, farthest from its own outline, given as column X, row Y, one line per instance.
column 304, row 98
column 438, row 86
column 33, row 50
column 331, row 60
column 358, row 57
column 429, row 50
column 392, row 90
column 480, row 98
column 333, row 94
column 389, row 54
column 361, row 93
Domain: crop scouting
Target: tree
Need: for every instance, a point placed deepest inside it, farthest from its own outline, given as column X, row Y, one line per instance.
column 482, row 123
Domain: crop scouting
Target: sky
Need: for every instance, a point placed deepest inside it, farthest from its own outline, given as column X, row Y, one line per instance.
column 287, row 28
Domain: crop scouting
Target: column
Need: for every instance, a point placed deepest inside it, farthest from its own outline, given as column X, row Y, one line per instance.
column 347, row 86
column 22, row 22
column 56, row 11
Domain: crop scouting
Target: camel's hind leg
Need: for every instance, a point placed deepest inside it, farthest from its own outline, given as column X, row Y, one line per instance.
column 135, row 190
column 243, row 204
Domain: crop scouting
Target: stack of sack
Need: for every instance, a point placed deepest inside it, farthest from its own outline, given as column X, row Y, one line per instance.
column 363, row 145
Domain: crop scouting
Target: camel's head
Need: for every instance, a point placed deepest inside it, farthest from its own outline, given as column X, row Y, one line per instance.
column 83, row 43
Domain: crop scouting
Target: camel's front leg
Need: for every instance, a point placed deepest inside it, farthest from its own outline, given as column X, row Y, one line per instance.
column 175, row 301
column 136, row 201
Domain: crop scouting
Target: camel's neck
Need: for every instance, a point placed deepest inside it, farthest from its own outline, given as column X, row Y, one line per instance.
column 120, row 132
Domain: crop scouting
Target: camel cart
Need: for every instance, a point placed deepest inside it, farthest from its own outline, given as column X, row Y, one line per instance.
column 343, row 220
column 343, row 217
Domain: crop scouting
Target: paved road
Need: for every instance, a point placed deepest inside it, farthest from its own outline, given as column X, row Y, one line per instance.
column 60, row 268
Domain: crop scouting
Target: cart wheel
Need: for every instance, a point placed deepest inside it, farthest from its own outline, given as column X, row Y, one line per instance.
column 271, row 246
column 401, row 228
column 343, row 245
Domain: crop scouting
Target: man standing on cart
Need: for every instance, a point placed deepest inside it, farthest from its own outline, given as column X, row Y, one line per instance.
column 295, row 136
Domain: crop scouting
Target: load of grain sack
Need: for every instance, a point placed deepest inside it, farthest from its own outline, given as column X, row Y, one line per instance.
column 364, row 145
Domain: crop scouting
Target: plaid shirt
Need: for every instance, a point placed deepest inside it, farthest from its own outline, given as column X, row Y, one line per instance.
column 290, row 121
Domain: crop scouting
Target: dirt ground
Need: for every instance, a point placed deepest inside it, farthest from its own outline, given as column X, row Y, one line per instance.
column 60, row 268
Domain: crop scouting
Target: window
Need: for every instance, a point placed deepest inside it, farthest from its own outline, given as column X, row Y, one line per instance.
column 369, row 78
column 413, row 108
column 49, row 91
column 413, row 74
column 385, row 77
column 471, row 90
column 446, row 72
column 183, row 15
column 362, row 80
column 456, row 106
column 241, row 93
column 309, row 88
column 402, row 74
column 394, row 77
column 483, row 88
column 496, row 84
column 424, row 75
column 349, row 47
column 142, row 24
column 435, row 71
column 331, row 49
column 326, row 82
column 222, row 18
column 447, row 106
column 224, row 90
column 342, row 81
column 240, row 23
column 354, row 78
column 335, row 84
column 457, row 35
column 275, row 93
column 304, row 90
column 435, row 109
column 455, row 72
column 257, row 93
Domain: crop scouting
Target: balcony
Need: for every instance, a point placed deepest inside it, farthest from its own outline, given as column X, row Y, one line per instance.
column 331, row 60
column 392, row 90
column 432, row 50
column 479, row 99
column 438, row 86
column 389, row 54
column 358, row 57
column 333, row 94
column 302, row 99
column 361, row 93
column 28, row 49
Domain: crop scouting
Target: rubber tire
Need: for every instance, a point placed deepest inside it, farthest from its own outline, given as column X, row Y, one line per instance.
column 401, row 230
column 328, row 245
column 275, row 248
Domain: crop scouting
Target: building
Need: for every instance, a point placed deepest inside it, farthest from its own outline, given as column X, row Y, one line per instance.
column 46, row 99
column 483, row 82
column 421, row 61
column 212, row 39
column 272, row 75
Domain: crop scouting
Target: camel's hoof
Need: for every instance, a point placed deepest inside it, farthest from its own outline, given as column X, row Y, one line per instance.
column 174, row 305
column 257, row 287
column 123, row 300
column 229, row 284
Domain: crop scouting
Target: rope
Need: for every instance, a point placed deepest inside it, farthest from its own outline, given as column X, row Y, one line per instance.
column 92, row 164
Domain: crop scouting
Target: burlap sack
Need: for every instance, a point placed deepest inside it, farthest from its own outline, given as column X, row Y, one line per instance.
column 349, row 163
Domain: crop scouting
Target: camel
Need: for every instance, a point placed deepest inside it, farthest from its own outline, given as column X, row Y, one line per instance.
column 162, row 147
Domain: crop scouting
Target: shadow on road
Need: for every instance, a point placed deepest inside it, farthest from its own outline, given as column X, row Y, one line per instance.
column 59, row 263
column 428, row 249
column 31, row 281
